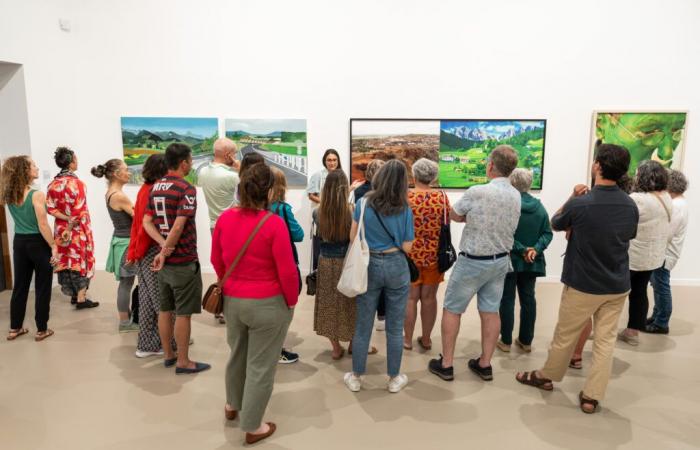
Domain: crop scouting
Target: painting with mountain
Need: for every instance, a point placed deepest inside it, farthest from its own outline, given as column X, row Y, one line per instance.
column 282, row 142
column 466, row 144
column 145, row 136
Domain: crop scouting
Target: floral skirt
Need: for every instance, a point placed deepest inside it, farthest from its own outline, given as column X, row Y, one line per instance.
column 334, row 313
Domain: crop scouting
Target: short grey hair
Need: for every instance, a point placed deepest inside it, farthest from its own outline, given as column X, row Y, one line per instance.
column 425, row 170
column 677, row 182
column 521, row 179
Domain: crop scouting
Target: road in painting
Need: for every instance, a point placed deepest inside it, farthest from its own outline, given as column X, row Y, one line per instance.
column 405, row 140
column 144, row 136
column 466, row 145
column 282, row 142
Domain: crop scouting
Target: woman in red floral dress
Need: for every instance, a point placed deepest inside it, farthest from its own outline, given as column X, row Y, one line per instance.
column 430, row 209
column 66, row 201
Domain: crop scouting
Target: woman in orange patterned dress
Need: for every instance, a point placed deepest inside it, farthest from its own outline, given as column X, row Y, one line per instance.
column 65, row 200
column 430, row 209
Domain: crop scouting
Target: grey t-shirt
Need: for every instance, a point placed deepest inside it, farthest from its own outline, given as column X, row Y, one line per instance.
column 602, row 224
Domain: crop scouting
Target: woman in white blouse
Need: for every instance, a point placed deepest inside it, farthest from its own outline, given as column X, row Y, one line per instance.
column 648, row 250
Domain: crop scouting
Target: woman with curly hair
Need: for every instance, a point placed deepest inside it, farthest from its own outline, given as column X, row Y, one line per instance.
column 33, row 245
column 66, row 201
column 121, row 212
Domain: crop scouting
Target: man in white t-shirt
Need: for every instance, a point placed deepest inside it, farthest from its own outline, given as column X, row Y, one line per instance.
column 219, row 179
column 661, row 277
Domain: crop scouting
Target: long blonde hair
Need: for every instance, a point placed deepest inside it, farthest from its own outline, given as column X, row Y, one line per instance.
column 278, row 192
column 334, row 215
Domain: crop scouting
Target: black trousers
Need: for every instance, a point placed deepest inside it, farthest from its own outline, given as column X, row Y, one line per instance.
column 639, row 302
column 31, row 254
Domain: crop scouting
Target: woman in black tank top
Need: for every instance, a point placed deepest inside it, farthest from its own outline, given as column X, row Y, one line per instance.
column 121, row 211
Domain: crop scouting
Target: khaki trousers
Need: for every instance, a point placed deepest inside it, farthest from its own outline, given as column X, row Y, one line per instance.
column 256, row 329
column 574, row 311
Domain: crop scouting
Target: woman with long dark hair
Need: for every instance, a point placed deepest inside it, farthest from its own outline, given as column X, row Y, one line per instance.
column 121, row 211
column 33, row 246
column 388, row 229
column 66, row 201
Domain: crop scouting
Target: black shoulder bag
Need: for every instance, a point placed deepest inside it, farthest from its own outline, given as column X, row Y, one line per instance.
column 412, row 268
column 446, row 254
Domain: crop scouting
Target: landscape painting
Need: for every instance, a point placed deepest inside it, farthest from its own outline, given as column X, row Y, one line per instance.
column 466, row 144
column 647, row 135
column 405, row 140
column 282, row 142
column 144, row 136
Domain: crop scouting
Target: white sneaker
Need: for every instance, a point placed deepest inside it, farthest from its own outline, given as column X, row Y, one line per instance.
column 397, row 383
column 381, row 325
column 353, row 382
column 142, row 354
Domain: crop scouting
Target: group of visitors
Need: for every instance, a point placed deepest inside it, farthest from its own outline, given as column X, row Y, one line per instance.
column 617, row 244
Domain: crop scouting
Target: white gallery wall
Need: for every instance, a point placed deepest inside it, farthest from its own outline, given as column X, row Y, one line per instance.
column 328, row 61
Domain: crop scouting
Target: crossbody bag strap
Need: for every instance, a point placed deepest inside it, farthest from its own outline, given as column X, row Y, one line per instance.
column 244, row 248
column 381, row 222
column 668, row 214
column 445, row 211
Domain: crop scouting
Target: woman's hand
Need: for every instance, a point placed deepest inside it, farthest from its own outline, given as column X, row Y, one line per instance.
column 54, row 255
column 356, row 184
column 530, row 255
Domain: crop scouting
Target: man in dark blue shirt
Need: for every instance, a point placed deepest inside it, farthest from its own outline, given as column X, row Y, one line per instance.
column 601, row 223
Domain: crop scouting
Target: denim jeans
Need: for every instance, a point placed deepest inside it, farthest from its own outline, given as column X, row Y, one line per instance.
column 388, row 274
column 525, row 283
column 663, row 304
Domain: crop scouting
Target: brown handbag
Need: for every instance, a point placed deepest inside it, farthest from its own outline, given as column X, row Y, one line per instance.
column 213, row 301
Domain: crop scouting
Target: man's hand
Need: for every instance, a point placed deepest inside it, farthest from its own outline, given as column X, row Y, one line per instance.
column 158, row 262
column 580, row 189
column 167, row 251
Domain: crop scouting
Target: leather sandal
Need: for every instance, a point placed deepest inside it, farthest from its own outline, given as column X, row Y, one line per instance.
column 583, row 401
column 14, row 334
column 41, row 335
column 423, row 346
column 251, row 438
column 230, row 414
column 531, row 379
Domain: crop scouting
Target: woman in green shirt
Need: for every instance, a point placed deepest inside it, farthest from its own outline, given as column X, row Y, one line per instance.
column 33, row 247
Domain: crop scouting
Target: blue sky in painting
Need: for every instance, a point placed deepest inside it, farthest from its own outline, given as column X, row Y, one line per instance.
column 490, row 127
column 204, row 127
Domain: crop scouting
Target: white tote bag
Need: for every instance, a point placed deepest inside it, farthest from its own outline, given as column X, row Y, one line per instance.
column 353, row 280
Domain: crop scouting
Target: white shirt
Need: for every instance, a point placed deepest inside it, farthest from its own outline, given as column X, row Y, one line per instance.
column 679, row 225
column 219, row 183
column 317, row 181
column 648, row 249
column 493, row 212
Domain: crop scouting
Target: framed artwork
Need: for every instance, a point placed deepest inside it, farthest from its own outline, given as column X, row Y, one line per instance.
column 144, row 136
column 460, row 147
column 659, row 136
column 282, row 142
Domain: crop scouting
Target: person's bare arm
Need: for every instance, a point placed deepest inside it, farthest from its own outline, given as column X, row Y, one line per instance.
column 175, row 232
column 315, row 198
column 456, row 217
column 151, row 230
column 353, row 231
column 120, row 202
column 407, row 246
column 39, row 204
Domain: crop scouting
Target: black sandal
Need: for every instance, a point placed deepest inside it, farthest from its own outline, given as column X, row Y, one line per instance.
column 531, row 379
column 587, row 402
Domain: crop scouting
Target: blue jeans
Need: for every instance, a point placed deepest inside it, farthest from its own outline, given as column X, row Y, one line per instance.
column 663, row 305
column 388, row 274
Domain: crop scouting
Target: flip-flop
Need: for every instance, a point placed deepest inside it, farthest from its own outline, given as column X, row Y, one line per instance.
column 40, row 336
column 424, row 347
column 407, row 347
column 14, row 334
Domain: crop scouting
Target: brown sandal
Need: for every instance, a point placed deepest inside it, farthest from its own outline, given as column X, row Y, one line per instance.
column 583, row 401
column 531, row 379
column 14, row 334
column 340, row 356
column 230, row 414
column 41, row 335
column 423, row 346
column 576, row 363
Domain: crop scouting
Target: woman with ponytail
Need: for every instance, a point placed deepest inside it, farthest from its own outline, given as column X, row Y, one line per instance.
column 121, row 211
column 66, row 201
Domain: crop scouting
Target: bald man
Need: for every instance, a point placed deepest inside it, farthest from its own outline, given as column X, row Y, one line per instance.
column 219, row 179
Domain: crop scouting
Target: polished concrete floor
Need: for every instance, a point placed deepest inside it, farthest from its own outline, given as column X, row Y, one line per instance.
column 84, row 389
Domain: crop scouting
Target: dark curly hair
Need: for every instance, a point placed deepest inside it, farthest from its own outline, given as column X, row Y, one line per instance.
column 614, row 160
column 255, row 186
column 154, row 168
column 107, row 169
column 63, row 157
column 14, row 179
column 651, row 176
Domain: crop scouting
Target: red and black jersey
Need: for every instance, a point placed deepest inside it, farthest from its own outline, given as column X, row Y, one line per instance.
column 172, row 197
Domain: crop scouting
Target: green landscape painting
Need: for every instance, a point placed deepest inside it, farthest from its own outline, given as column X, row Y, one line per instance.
column 466, row 144
column 144, row 136
column 282, row 142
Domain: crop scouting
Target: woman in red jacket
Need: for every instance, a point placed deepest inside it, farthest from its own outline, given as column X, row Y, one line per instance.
column 142, row 250
column 259, row 298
